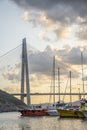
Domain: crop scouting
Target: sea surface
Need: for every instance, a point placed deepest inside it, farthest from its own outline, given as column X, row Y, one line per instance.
column 14, row 121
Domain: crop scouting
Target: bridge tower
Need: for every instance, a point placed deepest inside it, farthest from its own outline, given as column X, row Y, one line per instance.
column 25, row 74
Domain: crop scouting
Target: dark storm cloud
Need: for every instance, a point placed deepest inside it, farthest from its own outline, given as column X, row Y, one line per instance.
column 61, row 10
column 41, row 63
column 39, row 4
column 46, row 4
column 73, row 57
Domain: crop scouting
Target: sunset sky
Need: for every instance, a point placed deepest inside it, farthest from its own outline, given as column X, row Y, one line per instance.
column 53, row 27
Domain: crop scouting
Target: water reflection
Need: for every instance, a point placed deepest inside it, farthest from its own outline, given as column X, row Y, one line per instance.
column 13, row 121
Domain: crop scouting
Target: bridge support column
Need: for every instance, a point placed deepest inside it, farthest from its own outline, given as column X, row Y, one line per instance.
column 25, row 73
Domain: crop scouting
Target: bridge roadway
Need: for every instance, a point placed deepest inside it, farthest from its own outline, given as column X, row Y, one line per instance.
column 41, row 94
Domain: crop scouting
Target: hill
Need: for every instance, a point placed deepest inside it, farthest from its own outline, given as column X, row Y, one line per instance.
column 10, row 103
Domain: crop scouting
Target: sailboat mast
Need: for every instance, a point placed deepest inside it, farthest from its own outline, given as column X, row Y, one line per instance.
column 82, row 73
column 59, row 83
column 54, row 78
column 70, row 89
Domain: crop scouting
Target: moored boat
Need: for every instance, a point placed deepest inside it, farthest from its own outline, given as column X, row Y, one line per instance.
column 52, row 112
column 32, row 112
column 70, row 110
column 70, row 113
column 83, row 107
column 52, row 109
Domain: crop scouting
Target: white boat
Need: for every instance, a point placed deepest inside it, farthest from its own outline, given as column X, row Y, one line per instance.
column 52, row 108
column 52, row 112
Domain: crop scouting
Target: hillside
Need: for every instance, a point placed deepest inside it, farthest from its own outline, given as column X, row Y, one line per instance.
column 10, row 103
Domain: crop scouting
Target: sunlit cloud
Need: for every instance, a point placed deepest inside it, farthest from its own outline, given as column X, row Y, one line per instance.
column 11, row 76
column 41, row 64
column 57, row 17
column 81, row 33
column 25, row 16
column 63, row 33
column 45, row 36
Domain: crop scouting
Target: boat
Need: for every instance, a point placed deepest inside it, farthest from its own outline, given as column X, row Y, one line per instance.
column 83, row 107
column 70, row 113
column 52, row 108
column 52, row 112
column 69, row 110
column 34, row 111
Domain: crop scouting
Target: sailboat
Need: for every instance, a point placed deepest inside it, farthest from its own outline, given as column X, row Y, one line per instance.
column 52, row 109
column 83, row 102
column 68, row 110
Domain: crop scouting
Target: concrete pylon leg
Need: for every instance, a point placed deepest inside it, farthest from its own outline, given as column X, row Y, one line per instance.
column 25, row 73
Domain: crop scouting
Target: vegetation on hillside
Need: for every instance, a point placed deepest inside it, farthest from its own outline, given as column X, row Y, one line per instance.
column 10, row 103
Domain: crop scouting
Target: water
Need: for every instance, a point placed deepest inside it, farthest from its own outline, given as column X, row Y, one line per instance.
column 13, row 121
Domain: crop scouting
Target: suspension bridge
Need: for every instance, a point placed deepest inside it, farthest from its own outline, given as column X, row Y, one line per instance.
column 25, row 79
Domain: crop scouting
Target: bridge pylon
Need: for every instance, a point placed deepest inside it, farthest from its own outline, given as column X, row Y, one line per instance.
column 25, row 73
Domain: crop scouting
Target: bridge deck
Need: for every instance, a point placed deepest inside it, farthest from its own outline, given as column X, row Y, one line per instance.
column 39, row 94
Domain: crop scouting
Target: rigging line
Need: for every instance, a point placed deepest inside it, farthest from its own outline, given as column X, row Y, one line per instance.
column 66, row 87
column 50, row 97
column 9, row 51
column 67, row 66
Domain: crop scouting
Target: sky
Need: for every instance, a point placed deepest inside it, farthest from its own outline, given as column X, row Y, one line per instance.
column 54, row 27
column 56, row 23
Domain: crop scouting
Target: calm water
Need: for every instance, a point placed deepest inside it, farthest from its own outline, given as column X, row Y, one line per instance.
column 13, row 121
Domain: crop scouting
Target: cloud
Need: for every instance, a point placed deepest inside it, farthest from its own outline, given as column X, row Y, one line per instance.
column 62, row 33
column 25, row 16
column 42, row 36
column 11, row 76
column 41, row 64
column 81, row 33
column 46, row 36
column 74, row 56
column 11, row 73
column 57, row 9
column 56, row 16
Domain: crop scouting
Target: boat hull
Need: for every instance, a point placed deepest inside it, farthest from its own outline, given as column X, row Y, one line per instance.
column 85, row 113
column 70, row 113
column 52, row 112
column 33, row 112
